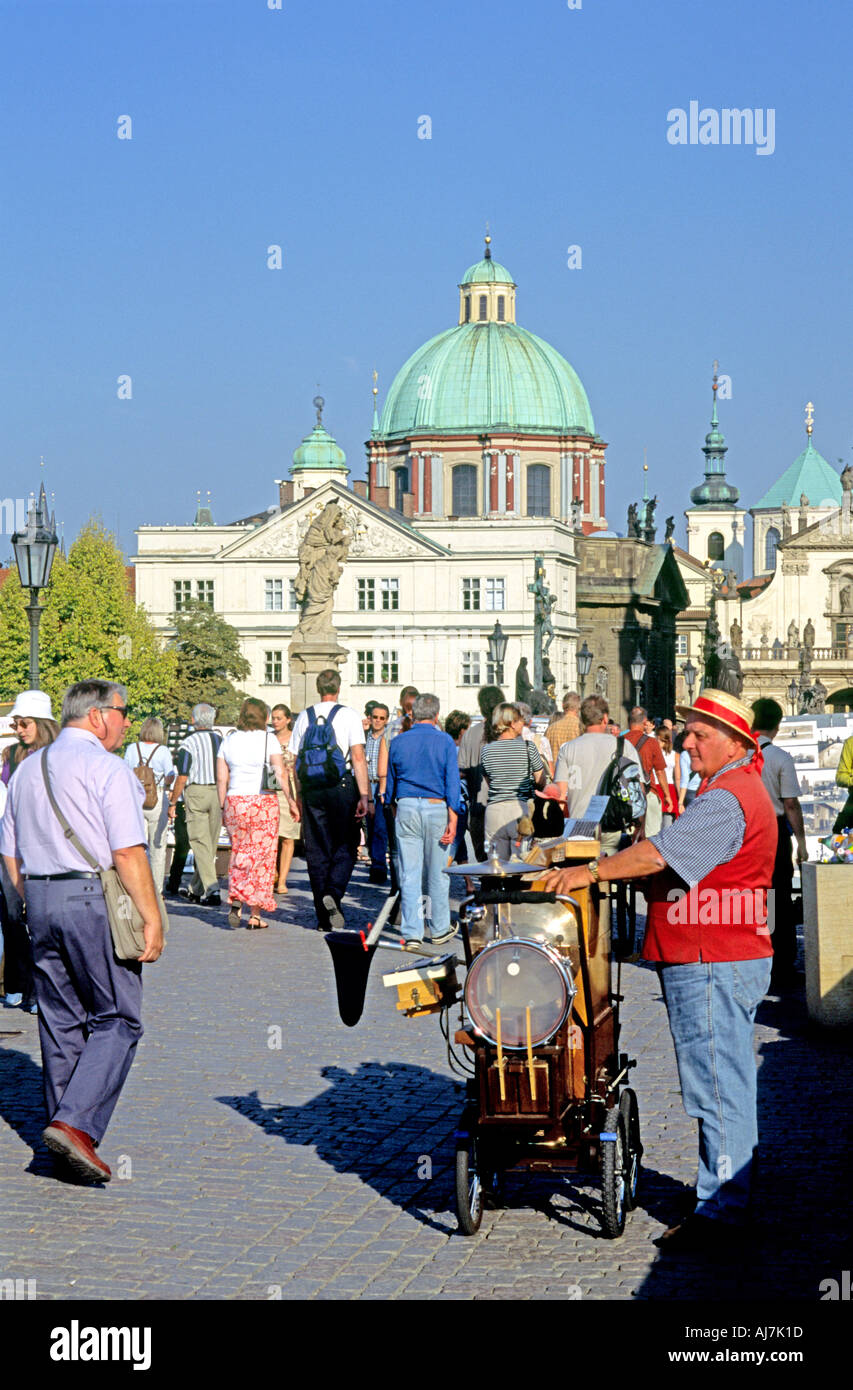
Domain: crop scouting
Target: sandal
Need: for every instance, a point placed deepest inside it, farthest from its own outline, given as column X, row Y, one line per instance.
column 234, row 913
column 280, row 892
column 255, row 924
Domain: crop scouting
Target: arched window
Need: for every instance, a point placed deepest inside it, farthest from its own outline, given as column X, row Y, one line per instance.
column 771, row 541
column 483, row 305
column 401, row 485
column 465, row 490
column 538, row 490
column 716, row 546
column 501, row 303
column 467, row 308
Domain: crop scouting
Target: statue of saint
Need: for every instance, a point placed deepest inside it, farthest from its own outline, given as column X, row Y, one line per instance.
column 670, row 528
column 847, row 479
column 786, row 521
column 321, row 554
column 793, row 634
column 808, row 635
column 549, row 680
column 633, row 522
column 844, row 599
column 819, row 694
column 523, row 686
column 650, row 517
column 803, row 514
column 736, row 636
column 729, row 674
column 601, row 682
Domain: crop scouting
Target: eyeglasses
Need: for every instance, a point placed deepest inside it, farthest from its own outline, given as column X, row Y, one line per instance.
column 21, row 723
column 119, row 709
column 382, row 717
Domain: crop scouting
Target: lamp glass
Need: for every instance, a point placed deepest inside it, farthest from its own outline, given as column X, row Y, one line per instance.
column 584, row 661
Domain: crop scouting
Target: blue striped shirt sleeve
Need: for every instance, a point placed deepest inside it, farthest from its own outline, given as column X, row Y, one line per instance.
column 709, row 832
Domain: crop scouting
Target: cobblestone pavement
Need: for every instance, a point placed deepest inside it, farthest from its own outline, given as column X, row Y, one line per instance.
column 252, row 1171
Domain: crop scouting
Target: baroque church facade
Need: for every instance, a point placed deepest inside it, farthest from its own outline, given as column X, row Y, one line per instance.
column 485, row 455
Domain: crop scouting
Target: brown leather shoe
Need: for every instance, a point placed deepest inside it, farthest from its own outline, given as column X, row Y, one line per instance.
column 78, row 1150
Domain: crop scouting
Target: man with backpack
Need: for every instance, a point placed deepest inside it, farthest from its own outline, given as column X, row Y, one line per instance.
column 641, row 735
column 595, row 764
column 331, row 774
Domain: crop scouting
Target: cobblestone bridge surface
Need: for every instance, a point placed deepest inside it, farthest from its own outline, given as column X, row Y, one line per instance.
column 322, row 1168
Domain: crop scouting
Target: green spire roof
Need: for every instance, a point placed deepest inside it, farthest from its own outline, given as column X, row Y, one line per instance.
column 810, row 474
column 487, row 272
column 318, row 449
column 715, row 491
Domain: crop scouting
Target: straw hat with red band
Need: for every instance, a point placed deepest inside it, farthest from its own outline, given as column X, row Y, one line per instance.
column 725, row 709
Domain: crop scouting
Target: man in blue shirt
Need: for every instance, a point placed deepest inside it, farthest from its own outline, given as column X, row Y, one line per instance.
column 424, row 788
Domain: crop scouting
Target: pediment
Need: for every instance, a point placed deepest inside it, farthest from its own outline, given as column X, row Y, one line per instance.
column 833, row 532
column 374, row 533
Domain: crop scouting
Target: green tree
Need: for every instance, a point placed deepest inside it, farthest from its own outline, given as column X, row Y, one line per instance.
column 90, row 627
column 208, row 655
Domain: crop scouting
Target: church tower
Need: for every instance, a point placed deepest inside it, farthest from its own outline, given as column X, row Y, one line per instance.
column 715, row 523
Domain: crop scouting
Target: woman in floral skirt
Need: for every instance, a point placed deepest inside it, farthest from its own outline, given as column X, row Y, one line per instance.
column 250, row 812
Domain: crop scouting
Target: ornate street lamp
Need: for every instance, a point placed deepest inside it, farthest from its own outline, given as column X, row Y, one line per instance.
column 497, row 651
column 689, row 672
column 638, row 674
column 793, row 692
column 34, row 551
column 584, row 662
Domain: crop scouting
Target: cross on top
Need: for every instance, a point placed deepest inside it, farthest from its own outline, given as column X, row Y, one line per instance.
column 809, row 417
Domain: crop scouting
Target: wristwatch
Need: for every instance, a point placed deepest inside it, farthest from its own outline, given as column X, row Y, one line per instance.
column 593, row 868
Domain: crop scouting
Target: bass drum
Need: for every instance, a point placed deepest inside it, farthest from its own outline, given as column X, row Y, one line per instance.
column 518, row 992
column 552, row 924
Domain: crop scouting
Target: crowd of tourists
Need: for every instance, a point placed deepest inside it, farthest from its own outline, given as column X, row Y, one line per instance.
column 415, row 791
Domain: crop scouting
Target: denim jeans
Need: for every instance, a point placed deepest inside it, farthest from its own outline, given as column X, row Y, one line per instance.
column 711, row 1007
column 419, row 826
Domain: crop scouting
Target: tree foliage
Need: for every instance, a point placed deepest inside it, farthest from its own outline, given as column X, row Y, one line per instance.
column 208, row 655
column 90, row 627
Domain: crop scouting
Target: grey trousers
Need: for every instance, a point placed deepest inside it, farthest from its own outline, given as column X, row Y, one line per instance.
column 90, row 1004
column 204, row 819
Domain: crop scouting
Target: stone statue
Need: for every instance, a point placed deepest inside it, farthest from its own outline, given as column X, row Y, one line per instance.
column 808, row 635
column 601, row 682
column 819, row 694
column 793, row 634
column 847, row 479
column 736, row 636
column 321, row 558
column 729, row 674
column 803, row 516
column 576, row 514
column 549, row 680
column 649, row 522
column 523, row 686
column 543, row 631
column 844, row 599
column 670, row 528
column 633, row 523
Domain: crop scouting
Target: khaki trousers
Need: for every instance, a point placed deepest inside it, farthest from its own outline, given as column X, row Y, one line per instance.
column 204, row 818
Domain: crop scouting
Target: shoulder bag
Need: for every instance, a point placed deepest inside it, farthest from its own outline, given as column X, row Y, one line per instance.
column 124, row 916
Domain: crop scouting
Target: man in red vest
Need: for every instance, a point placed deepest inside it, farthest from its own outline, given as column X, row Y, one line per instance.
column 707, row 930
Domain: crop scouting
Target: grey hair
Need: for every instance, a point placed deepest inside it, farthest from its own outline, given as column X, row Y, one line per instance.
column 504, row 715
column 524, row 710
column 86, row 695
column 425, row 707
column 152, row 731
column 203, row 716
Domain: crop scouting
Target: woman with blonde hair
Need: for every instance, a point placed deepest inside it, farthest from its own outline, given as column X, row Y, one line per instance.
column 289, row 828
column 32, row 721
column 150, row 751
column 250, row 811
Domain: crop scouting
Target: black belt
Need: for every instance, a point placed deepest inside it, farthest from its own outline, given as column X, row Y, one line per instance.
column 53, row 878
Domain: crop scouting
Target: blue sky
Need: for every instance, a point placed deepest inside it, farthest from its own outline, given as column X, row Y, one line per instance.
column 298, row 127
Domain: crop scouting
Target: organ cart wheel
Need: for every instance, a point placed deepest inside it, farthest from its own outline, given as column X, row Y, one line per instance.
column 613, row 1177
column 630, row 1116
column 469, row 1181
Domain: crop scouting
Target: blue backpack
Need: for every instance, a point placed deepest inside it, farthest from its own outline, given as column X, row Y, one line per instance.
column 320, row 763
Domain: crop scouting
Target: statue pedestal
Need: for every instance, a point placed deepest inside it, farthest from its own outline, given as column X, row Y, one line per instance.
column 307, row 657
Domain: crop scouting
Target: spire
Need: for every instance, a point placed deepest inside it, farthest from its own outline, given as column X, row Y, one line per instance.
column 715, row 491
column 318, row 403
column 375, row 429
column 487, row 254
column 809, row 422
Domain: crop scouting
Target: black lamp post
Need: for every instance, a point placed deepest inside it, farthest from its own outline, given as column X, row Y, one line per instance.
column 793, row 692
column 584, row 660
column 34, row 551
column 688, row 671
column 638, row 674
column 497, row 651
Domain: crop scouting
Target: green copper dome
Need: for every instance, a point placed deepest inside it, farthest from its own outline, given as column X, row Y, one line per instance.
column 319, row 450
column 478, row 377
column 810, row 474
column 486, row 272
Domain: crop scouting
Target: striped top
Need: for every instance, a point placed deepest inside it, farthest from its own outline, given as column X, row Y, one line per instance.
column 509, row 764
column 196, row 758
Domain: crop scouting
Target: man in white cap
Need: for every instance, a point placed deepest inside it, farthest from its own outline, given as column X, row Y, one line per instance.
column 707, row 930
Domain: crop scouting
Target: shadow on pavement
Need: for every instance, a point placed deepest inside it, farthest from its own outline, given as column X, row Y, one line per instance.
column 22, row 1107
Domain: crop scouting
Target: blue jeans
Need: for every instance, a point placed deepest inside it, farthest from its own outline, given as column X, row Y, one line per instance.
column 711, row 1007
column 419, row 826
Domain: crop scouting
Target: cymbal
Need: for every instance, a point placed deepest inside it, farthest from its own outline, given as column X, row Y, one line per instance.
column 496, row 868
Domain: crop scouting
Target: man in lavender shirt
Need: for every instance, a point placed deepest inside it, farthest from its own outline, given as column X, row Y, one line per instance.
column 89, row 1002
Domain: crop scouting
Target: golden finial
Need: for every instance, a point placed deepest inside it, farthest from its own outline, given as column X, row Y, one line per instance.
column 809, row 418
column 488, row 252
column 375, row 387
column 715, row 383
